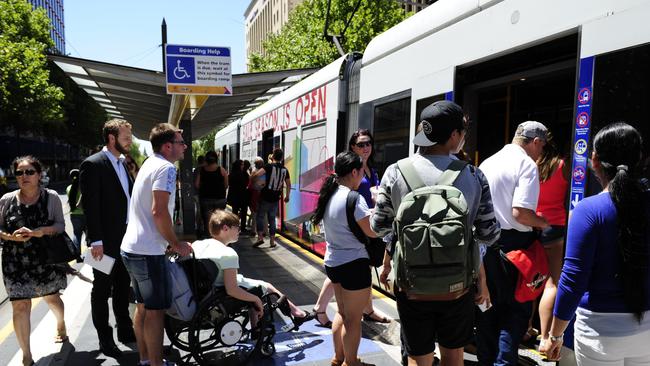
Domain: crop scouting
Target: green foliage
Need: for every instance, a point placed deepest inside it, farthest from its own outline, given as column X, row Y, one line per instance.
column 300, row 43
column 202, row 146
column 136, row 154
column 27, row 98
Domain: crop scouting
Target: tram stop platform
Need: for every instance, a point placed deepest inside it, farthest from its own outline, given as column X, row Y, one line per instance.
column 295, row 271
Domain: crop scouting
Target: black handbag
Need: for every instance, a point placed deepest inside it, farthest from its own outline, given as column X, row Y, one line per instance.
column 374, row 246
column 58, row 248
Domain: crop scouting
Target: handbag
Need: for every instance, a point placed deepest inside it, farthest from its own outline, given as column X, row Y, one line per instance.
column 374, row 246
column 58, row 248
column 532, row 265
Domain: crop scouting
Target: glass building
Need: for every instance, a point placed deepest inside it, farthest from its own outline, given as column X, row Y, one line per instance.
column 54, row 11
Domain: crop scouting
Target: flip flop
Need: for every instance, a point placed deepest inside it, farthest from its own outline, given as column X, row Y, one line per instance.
column 327, row 324
column 368, row 318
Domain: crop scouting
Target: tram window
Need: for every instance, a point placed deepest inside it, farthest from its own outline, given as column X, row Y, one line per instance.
column 315, row 159
column 391, row 132
column 291, row 153
column 622, row 93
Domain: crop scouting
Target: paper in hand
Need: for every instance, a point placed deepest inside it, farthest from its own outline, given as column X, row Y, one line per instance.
column 104, row 265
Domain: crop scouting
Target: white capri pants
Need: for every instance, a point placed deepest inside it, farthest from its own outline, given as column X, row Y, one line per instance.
column 631, row 350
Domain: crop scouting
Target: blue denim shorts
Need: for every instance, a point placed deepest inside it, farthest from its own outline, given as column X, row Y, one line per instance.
column 150, row 280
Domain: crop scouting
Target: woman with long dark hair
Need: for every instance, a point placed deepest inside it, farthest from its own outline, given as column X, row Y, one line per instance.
column 605, row 280
column 362, row 144
column 346, row 259
column 554, row 184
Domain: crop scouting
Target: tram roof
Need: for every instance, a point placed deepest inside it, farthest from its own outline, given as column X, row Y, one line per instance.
column 140, row 95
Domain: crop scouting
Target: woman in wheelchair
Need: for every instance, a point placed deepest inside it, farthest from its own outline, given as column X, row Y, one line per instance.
column 224, row 230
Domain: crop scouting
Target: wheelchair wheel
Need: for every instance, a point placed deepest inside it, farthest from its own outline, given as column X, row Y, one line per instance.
column 221, row 332
column 268, row 349
column 178, row 333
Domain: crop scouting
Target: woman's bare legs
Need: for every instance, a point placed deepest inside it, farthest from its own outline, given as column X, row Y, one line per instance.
column 346, row 329
column 22, row 326
column 55, row 304
column 554, row 253
column 295, row 311
column 324, row 298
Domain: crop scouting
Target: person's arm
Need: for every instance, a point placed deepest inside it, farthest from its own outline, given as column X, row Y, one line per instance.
column 233, row 289
column 529, row 217
column 486, row 227
column 381, row 220
column 197, row 179
column 90, row 187
column 259, row 172
column 225, row 177
column 364, row 224
column 582, row 239
column 164, row 224
column 287, row 187
column 526, row 195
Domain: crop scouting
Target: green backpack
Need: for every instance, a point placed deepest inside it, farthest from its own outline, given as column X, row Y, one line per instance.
column 435, row 254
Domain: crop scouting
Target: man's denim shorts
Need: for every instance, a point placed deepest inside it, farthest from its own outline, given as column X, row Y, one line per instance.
column 150, row 280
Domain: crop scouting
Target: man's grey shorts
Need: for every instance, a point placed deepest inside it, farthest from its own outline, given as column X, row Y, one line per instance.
column 150, row 280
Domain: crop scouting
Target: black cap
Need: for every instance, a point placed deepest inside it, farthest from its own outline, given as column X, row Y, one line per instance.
column 438, row 121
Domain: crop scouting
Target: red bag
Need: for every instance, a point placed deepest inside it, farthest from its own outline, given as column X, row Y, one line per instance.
column 532, row 265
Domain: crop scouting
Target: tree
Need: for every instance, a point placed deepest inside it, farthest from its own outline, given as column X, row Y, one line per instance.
column 202, row 145
column 27, row 97
column 301, row 44
column 136, row 154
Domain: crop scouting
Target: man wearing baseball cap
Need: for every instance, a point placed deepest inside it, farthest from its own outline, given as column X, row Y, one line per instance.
column 514, row 183
column 450, row 321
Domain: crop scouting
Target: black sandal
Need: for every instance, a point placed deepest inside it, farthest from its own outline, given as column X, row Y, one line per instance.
column 368, row 318
column 300, row 320
column 327, row 324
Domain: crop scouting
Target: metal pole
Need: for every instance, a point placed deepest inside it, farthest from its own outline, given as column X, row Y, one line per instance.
column 163, row 30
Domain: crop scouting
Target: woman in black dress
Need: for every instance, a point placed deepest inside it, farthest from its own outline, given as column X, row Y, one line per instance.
column 25, row 216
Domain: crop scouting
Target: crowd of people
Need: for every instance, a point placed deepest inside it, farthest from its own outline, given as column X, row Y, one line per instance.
column 516, row 199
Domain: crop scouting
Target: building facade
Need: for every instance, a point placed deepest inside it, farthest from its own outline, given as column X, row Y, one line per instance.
column 54, row 11
column 263, row 17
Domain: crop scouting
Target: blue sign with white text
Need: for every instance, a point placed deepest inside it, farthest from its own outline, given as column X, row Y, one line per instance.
column 582, row 131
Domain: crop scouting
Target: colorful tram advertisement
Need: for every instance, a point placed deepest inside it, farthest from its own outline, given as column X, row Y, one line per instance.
column 575, row 66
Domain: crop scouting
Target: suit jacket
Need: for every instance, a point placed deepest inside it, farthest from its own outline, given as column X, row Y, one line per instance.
column 104, row 202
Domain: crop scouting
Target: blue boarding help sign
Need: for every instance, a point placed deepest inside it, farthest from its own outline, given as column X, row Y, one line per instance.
column 582, row 130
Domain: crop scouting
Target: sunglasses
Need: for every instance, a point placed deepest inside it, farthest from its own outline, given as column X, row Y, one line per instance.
column 30, row 172
column 363, row 144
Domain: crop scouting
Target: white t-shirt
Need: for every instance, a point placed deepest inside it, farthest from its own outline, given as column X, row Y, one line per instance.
column 224, row 257
column 142, row 236
column 342, row 246
column 514, row 182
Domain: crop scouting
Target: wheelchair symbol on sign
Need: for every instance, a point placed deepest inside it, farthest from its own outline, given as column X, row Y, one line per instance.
column 179, row 71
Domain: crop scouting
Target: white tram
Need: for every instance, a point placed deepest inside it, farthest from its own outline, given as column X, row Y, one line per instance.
column 573, row 65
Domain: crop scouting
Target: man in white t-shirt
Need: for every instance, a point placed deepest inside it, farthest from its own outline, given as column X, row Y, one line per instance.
column 148, row 234
column 514, row 185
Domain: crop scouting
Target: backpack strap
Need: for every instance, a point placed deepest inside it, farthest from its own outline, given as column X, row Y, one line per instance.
column 350, row 205
column 452, row 172
column 409, row 173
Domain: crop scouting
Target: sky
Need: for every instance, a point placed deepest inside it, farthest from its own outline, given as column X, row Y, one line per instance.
column 127, row 32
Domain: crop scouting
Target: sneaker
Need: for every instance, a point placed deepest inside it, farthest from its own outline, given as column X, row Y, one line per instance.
column 258, row 243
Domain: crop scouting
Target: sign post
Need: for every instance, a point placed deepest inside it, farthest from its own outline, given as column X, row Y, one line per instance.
column 198, row 70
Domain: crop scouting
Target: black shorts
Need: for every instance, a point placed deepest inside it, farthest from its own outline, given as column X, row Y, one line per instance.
column 451, row 323
column 352, row 276
column 552, row 233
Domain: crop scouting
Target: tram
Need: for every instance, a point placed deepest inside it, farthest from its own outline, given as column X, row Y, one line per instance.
column 572, row 65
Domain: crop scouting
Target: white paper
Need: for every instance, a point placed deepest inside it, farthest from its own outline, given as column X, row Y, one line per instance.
column 104, row 265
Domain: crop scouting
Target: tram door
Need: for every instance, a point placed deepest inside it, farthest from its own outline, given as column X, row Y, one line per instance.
column 533, row 84
column 267, row 144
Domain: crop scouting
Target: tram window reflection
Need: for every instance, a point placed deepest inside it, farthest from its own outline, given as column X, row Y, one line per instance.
column 391, row 132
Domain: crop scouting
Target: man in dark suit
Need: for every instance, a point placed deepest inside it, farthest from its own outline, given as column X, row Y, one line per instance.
column 105, row 193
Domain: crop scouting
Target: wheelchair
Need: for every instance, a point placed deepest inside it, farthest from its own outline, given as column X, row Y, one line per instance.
column 221, row 331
